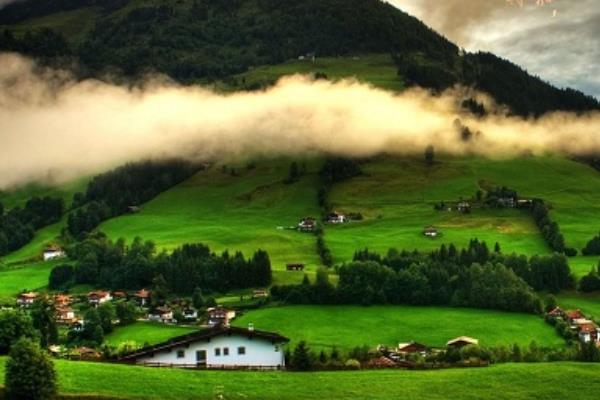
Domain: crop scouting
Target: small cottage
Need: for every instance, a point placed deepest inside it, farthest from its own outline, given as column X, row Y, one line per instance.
column 411, row 348
column 142, row 297
column 336, row 218
column 462, row 341
column 219, row 316
column 464, row 207
column 260, row 293
column 307, row 224
column 27, row 299
column 65, row 315
column 295, row 267
column 98, row 297
column 430, row 231
column 61, row 300
column 219, row 347
column 161, row 314
column 52, row 253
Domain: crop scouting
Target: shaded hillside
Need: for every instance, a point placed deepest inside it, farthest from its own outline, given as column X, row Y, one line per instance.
column 203, row 41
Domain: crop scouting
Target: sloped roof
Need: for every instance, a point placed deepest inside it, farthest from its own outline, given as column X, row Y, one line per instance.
column 462, row 339
column 204, row 335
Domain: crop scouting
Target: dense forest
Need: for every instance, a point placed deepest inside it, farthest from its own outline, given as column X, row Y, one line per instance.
column 470, row 277
column 201, row 40
column 100, row 262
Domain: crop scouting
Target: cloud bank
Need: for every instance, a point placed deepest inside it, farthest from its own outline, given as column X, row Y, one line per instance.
column 53, row 126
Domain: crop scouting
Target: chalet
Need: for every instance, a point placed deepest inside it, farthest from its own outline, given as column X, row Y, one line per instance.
column 161, row 314
column 142, row 297
column 260, row 293
column 53, row 252
column 190, row 313
column 62, row 300
column 219, row 316
column 295, row 267
column 133, row 209
column 307, row 224
column 588, row 332
column 77, row 325
column 336, row 218
column 462, row 341
column 463, row 207
column 430, row 231
column 572, row 315
column 218, row 347
column 119, row 294
column 26, row 299
column 411, row 348
column 65, row 315
column 557, row 312
column 98, row 297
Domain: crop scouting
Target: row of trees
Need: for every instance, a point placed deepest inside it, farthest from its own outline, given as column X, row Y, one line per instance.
column 472, row 277
column 115, row 265
column 18, row 225
column 550, row 229
column 114, row 193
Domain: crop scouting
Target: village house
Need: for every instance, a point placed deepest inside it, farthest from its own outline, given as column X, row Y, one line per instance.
column 507, row 202
column 53, row 252
column 161, row 314
column 411, row 348
column 65, row 315
column 77, row 325
column 133, row 209
column 218, row 347
column 98, row 297
column 336, row 218
column 307, row 224
column 557, row 312
column 142, row 297
column 217, row 316
column 295, row 267
column 430, row 231
column 260, row 293
column 26, row 299
column 62, row 300
column 190, row 313
column 464, row 207
column 462, row 341
column 572, row 315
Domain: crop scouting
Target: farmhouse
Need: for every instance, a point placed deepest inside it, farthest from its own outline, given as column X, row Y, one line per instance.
column 462, row 341
column 98, row 297
column 189, row 313
column 161, row 314
column 142, row 297
column 53, row 252
column 260, row 293
column 220, row 316
column 308, row 224
column 557, row 312
column 61, row 300
column 430, row 231
column 411, row 348
column 65, row 315
column 295, row 267
column 464, row 207
column 218, row 347
column 336, row 218
column 26, row 299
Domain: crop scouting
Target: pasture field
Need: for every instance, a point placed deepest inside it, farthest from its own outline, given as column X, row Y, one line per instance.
column 349, row 326
column 25, row 277
column 235, row 213
column 145, row 333
column 568, row 381
column 397, row 195
column 588, row 303
column 378, row 70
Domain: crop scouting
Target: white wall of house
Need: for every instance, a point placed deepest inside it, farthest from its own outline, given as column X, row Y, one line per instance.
column 258, row 352
column 51, row 255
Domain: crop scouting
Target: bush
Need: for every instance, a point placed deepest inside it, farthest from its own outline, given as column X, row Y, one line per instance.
column 352, row 364
column 29, row 373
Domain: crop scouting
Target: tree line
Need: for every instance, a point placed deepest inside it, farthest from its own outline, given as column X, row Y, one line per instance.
column 103, row 263
column 18, row 225
column 550, row 229
column 125, row 188
column 470, row 277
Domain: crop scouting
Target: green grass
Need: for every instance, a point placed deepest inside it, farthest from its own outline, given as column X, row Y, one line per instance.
column 396, row 196
column 232, row 212
column 19, row 196
column 349, row 326
column 508, row 381
column 15, row 279
column 145, row 333
column 588, row 303
column 376, row 69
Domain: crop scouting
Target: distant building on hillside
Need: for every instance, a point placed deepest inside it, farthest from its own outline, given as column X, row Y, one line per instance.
column 462, row 341
column 142, row 297
column 26, row 299
column 52, row 253
column 161, row 314
column 308, row 224
column 336, row 218
column 295, row 267
column 430, row 231
column 98, row 297
column 218, row 316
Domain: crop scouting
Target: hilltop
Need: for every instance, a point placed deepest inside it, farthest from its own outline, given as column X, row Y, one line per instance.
column 199, row 41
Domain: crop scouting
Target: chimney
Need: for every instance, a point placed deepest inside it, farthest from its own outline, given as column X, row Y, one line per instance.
column 251, row 327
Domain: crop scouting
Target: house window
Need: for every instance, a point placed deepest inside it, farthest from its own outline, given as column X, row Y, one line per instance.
column 241, row 350
column 225, row 351
column 217, row 352
column 180, row 353
column 276, row 348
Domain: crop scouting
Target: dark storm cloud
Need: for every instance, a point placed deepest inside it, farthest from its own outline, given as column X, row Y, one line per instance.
column 557, row 41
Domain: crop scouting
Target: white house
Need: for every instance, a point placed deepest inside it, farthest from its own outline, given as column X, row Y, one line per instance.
column 220, row 316
column 53, row 252
column 431, row 231
column 336, row 218
column 98, row 297
column 26, row 299
column 219, row 347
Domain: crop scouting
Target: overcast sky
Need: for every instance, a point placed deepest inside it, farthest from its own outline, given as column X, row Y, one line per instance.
column 559, row 40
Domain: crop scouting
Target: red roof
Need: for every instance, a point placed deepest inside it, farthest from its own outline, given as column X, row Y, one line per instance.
column 574, row 314
column 556, row 311
column 142, row 294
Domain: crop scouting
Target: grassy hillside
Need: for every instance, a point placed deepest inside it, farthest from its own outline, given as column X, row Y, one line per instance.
column 350, row 326
column 245, row 213
column 397, row 196
column 19, row 196
column 509, row 381
column 145, row 333
column 23, row 277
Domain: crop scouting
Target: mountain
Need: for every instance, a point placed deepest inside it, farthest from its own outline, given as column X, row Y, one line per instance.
column 203, row 41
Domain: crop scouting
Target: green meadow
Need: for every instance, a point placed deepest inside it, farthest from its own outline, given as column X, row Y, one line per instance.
column 24, row 277
column 588, row 303
column 349, row 326
column 142, row 333
column 245, row 213
column 568, row 381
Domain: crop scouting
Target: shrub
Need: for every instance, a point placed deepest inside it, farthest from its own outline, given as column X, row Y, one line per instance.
column 29, row 373
column 352, row 364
